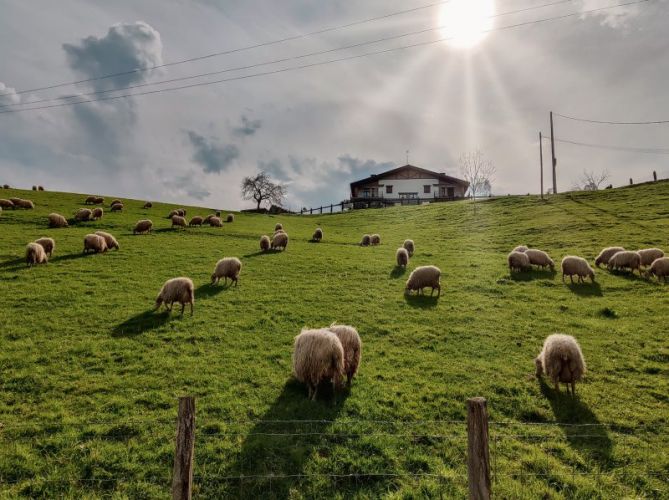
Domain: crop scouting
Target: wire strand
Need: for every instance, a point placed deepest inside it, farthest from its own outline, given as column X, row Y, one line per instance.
column 609, row 122
column 649, row 150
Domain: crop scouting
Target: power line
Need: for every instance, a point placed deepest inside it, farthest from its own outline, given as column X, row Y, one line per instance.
column 659, row 151
column 320, row 63
column 608, row 122
column 267, row 63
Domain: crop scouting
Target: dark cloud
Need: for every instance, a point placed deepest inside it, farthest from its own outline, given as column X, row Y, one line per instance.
column 275, row 169
column 366, row 167
column 213, row 158
column 186, row 185
column 247, row 127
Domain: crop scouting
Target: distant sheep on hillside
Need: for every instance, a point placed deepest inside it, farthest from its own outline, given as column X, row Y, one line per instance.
column 562, row 361
column 215, row 222
column 196, row 221
column 180, row 290
column 48, row 244
column 94, row 243
column 572, row 265
column 27, row 204
column 90, row 200
column 375, row 239
column 352, row 345
column 143, row 226
column 40, row 188
column 35, row 254
column 402, row 257
column 83, row 214
column 178, row 220
column 57, row 220
column 366, row 240
column 97, row 213
column 423, row 277
column 625, row 260
column 6, row 203
column 518, row 261
column 34, row 188
column 148, row 204
column 230, row 218
column 228, row 267
column 659, row 268
column 606, row 254
column 539, row 258
column 409, row 246
column 117, row 207
column 208, row 218
column 318, row 356
column 318, row 235
column 280, row 240
column 109, row 240
column 115, row 202
column 264, row 243
column 649, row 255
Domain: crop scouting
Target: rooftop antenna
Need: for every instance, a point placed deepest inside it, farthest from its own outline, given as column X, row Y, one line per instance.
column 407, row 156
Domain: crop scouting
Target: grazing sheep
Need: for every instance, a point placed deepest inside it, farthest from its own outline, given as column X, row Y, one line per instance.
column 143, row 226
column 539, row 258
column 172, row 213
column 83, row 214
column 208, row 218
column 659, row 268
column 117, row 207
column 94, row 243
column 318, row 234
column 402, row 257
column 215, row 222
column 423, row 277
column 90, row 200
column 278, row 231
column 228, row 267
column 179, row 290
column 409, row 246
column 148, row 204
column 196, row 221
column 35, row 254
column 518, row 261
column 16, row 202
column 57, row 220
column 366, row 239
column 178, row 220
column 625, row 260
column 650, row 255
column 97, row 213
column 280, row 240
column 183, row 212
column 572, row 265
column 6, row 203
column 352, row 345
column 100, row 200
column 27, row 204
column 109, row 240
column 116, row 202
column 606, row 254
column 318, row 356
column 278, row 226
column 264, row 243
column 375, row 239
column 48, row 244
column 562, row 361
column 230, row 218
column 520, row 248
column 34, row 188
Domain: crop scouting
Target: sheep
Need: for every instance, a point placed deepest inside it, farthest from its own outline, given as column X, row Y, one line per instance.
column 228, row 267
column 409, row 246
column 195, row 221
column 117, row 207
column 116, row 202
column 48, row 244
column 57, row 220
column 40, row 188
column 34, row 188
column 318, row 356
column 402, row 257
column 109, row 240
column 280, row 240
column 650, row 255
column 143, row 226
column 230, row 218
column 178, row 220
column 375, row 239
column 218, row 213
column 208, row 218
column 562, row 361
column 5, row 186
column 518, row 261
column 352, row 345
column 148, row 204
column 179, row 290
column 100, row 200
column 182, row 212
column 520, row 248
column 625, row 260
column 97, row 213
column 90, row 200
column 278, row 226
column 94, row 243
column 278, row 231
column 172, row 213
column 6, row 203
column 318, row 235
column 539, row 258
column 422, row 277
column 659, row 268
column 16, row 202
column 83, row 214
column 606, row 254
column 35, row 254
column 215, row 222
column 366, row 239
column 572, row 265
column 264, row 243
column 27, row 204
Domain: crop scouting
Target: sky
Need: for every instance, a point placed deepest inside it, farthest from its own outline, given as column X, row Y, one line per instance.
column 318, row 128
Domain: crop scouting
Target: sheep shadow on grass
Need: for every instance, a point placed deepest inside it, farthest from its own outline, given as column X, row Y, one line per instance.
column 534, row 274
column 262, row 252
column 209, row 290
column 582, row 428
column 71, row 256
column 140, row 323
column 585, row 289
column 398, row 272
column 421, row 301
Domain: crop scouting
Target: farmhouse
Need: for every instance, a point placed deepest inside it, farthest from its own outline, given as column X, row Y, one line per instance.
column 407, row 185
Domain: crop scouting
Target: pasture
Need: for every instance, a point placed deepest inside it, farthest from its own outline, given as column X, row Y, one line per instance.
column 89, row 374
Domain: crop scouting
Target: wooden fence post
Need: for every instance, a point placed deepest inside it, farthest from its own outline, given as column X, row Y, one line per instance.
column 478, row 454
column 631, row 182
column 654, row 176
column 182, row 478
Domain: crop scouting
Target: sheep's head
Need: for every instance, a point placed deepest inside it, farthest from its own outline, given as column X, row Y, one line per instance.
column 539, row 366
column 159, row 302
column 591, row 273
column 213, row 278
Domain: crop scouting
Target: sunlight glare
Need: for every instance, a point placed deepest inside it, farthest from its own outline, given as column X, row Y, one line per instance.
column 465, row 22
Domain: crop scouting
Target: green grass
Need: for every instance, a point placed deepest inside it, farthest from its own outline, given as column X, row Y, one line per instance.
column 89, row 376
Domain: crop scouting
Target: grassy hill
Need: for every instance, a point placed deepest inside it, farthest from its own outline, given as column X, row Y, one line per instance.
column 89, row 375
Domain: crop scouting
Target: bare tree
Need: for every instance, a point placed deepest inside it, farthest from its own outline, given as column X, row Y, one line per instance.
column 591, row 181
column 261, row 189
column 478, row 171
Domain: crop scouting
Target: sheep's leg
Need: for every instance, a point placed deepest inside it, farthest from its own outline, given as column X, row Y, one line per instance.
column 236, row 281
column 438, row 290
column 183, row 306
column 191, row 308
column 562, row 277
column 573, row 388
column 571, row 278
column 557, row 386
column 314, row 393
column 349, row 377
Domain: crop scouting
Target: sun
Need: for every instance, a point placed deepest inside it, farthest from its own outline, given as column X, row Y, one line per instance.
column 466, row 22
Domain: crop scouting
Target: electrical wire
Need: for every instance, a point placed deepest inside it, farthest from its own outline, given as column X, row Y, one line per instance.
column 609, row 122
column 659, row 151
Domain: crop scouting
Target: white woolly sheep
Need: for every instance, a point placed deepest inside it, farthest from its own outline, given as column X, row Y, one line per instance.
column 649, row 255
column 116, row 202
column 230, row 218
column 520, row 248
column 352, row 345
column 659, row 268
column 172, row 213
column 196, row 221
column 208, row 218
column 561, row 360
column 228, row 267
column 318, row 356
column 90, row 200
column 94, row 243
column 215, row 222
column 539, row 258
column 143, row 226
column 179, row 290
column 35, row 254
column 57, row 220
column 423, row 277
column 264, row 243
column 278, row 226
column 6, row 203
column 625, row 260
column 117, row 207
column 318, row 235
column 27, row 204
column 178, row 220
column 97, row 213
column 375, row 239
column 148, row 204
column 572, row 265
column 366, row 240
column 109, row 240
column 518, row 261
column 99, row 200
column 48, row 244
column 16, row 202
column 402, row 257
column 410, row 247
column 606, row 254
column 83, row 214
column 280, row 240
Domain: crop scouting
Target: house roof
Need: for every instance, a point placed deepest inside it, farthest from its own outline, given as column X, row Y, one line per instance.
column 440, row 176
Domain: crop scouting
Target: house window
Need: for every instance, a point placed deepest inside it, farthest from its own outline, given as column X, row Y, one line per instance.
column 389, row 190
column 427, row 189
column 365, row 193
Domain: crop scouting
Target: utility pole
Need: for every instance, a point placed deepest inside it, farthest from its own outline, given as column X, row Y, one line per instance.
column 541, row 164
column 553, row 156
